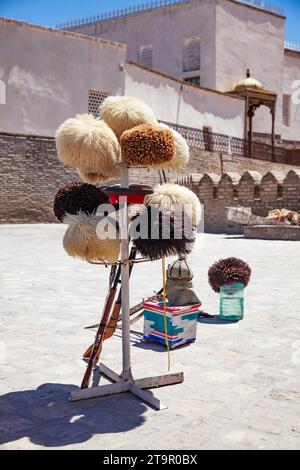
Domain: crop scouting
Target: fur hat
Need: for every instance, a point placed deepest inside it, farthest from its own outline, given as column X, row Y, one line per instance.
column 228, row 271
column 96, row 178
column 81, row 239
column 88, row 144
column 146, row 145
column 122, row 113
column 169, row 234
column 172, row 195
column 181, row 152
column 78, row 197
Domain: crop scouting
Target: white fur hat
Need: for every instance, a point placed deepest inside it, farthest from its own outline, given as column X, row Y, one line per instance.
column 89, row 145
column 81, row 239
column 122, row 113
column 174, row 195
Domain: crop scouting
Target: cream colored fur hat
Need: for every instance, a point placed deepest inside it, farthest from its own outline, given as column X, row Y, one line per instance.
column 172, row 195
column 95, row 178
column 81, row 240
column 89, row 145
column 122, row 113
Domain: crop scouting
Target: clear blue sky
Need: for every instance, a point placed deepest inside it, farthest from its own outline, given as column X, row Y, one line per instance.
column 52, row 12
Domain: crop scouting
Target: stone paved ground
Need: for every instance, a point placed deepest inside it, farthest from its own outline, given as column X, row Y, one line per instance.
column 242, row 381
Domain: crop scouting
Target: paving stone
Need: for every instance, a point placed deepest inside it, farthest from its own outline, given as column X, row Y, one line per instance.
column 242, row 381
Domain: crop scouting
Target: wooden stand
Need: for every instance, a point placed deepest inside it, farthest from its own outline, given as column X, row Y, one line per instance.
column 125, row 382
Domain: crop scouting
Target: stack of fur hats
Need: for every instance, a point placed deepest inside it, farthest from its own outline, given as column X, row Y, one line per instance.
column 89, row 236
column 127, row 132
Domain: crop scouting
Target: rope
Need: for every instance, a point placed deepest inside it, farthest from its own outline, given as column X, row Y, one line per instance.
column 165, row 310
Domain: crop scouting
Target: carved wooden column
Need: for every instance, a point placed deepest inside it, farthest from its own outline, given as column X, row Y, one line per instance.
column 251, row 113
column 273, row 110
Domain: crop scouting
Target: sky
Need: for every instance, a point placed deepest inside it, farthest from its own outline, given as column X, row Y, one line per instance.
column 53, row 12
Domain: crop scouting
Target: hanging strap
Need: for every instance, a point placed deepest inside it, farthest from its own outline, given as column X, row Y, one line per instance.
column 165, row 310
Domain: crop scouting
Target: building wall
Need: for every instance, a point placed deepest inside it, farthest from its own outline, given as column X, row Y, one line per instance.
column 254, row 39
column 291, row 86
column 166, row 29
column 261, row 192
column 184, row 104
column 45, row 75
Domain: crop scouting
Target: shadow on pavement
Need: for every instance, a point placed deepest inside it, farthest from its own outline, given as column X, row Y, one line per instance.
column 215, row 320
column 48, row 419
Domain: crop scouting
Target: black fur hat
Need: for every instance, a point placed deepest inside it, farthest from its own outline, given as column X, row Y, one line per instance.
column 157, row 232
column 78, row 197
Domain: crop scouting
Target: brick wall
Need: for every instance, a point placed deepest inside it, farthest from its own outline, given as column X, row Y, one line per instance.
column 261, row 193
column 29, row 177
column 30, row 174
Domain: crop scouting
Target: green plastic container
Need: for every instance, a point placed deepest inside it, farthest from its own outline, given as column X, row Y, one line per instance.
column 232, row 302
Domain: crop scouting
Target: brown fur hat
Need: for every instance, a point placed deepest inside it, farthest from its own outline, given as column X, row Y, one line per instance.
column 125, row 112
column 78, row 197
column 228, row 271
column 146, row 145
column 88, row 144
column 81, row 239
column 181, row 154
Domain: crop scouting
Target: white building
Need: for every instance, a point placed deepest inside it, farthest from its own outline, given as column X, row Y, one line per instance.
column 212, row 43
column 49, row 75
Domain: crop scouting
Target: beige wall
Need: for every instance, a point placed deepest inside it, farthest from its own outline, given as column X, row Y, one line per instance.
column 291, row 76
column 166, row 29
column 184, row 104
column 249, row 38
column 45, row 75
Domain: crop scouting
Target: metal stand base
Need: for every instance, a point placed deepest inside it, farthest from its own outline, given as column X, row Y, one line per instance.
column 136, row 387
column 125, row 382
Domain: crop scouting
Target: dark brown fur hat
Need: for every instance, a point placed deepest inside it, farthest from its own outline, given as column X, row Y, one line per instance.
column 228, row 271
column 78, row 197
column 171, row 235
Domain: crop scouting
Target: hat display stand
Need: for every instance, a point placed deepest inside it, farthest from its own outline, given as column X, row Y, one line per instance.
column 125, row 382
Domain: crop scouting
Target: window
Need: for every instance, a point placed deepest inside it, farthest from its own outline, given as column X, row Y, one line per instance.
column 194, row 80
column 191, row 54
column 146, row 56
column 286, row 110
column 96, row 98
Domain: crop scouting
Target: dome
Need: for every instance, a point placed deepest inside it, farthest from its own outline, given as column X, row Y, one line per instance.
column 179, row 270
column 248, row 82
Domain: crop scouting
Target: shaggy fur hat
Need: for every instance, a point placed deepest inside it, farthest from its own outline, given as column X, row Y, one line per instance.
column 181, row 152
column 172, row 195
column 81, row 240
column 88, row 144
column 96, row 178
column 122, row 113
column 228, row 271
column 146, row 145
column 78, row 197
column 178, row 240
